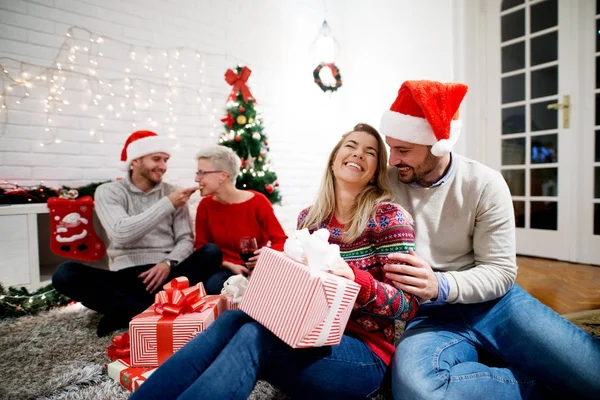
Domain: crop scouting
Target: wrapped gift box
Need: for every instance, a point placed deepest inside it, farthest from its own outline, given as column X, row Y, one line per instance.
column 169, row 324
column 127, row 376
column 303, row 307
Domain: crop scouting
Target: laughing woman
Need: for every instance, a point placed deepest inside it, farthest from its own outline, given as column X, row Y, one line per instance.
column 226, row 360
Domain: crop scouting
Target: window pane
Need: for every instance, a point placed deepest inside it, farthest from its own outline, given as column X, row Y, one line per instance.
column 506, row 4
column 597, row 108
column 597, row 35
column 544, row 48
column 513, row 88
column 544, row 215
column 542, row 118
column 515, row 179
column 544, row 149
column 544, row 82
column 513, row 57
column 597, row 158
column 597, row 183
column 544, row 15
column 544, row 182
column 513, row 25
column 597, row 72
column 513, row 151
column 596, row 219
column 519, row 207
column 513, row 120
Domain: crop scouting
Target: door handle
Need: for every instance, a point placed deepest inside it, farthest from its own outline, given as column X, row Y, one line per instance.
column 566, row 107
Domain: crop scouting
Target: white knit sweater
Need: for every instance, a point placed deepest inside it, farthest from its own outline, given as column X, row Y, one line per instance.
column 465, row 228
column 143, row 228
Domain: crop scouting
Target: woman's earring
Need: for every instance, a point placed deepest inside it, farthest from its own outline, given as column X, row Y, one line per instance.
column 220, row 182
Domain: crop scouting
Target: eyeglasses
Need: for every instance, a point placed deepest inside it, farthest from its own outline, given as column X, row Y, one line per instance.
column 201, row 173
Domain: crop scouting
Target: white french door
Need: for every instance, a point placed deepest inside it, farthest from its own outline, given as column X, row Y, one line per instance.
column 542, row 125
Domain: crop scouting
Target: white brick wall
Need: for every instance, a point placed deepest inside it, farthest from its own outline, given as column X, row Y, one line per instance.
column 381, row 44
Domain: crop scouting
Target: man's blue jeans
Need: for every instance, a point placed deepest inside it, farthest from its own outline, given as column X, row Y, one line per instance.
column 226, row 360
column 538, row 353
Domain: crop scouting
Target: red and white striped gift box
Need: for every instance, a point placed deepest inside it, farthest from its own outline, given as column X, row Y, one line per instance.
column 302, row 309
column 127, row 376
column 155, row 337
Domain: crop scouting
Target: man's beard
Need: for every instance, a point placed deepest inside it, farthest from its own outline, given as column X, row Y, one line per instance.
column 420, row 171
column 147, row 174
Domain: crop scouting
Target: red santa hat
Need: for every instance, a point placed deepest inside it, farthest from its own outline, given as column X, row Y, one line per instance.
column 142, row 143
column 426, row 112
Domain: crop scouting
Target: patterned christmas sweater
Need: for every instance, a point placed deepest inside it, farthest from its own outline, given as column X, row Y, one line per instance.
column 379, row 302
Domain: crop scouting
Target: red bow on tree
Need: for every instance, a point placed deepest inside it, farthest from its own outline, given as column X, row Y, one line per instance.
column 239, row 83
column 229, row 120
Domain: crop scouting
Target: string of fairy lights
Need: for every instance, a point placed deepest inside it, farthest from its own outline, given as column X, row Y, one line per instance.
column 156, row 88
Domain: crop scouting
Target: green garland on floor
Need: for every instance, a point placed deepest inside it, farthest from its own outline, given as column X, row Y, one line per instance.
column 12, row 193
column 17, row 302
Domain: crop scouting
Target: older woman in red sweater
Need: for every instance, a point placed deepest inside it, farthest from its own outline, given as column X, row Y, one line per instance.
column 227, row 214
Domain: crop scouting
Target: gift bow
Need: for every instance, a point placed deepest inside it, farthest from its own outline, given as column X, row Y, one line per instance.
column 120, row 347
column 235, row 287
column 178, row 298
column 313, row 250
column 238, row 81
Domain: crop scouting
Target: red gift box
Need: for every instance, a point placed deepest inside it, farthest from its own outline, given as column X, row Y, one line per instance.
column 129, row 377
column 303, row 308
column 178, row 315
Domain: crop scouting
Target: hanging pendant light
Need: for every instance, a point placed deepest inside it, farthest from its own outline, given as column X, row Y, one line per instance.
column 325, row 45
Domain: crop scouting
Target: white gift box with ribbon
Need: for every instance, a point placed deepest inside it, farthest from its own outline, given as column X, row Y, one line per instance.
column 294, row 296
column 234, row 289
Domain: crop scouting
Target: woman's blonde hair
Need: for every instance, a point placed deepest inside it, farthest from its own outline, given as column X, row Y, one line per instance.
column 223, row 159
column 375, row 192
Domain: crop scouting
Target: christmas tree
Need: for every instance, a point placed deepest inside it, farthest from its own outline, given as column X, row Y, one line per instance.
column 244, row 133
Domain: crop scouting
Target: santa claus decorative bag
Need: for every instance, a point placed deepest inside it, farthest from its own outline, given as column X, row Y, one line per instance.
column 72, row 232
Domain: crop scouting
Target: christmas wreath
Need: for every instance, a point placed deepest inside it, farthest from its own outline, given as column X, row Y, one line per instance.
column 336, row 74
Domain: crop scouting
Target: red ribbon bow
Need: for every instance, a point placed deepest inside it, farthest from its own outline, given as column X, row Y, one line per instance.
column 178, row 298
column 239, row 83
column 120, row 347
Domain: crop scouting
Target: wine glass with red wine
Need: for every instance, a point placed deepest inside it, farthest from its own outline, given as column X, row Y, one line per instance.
column 248, row 246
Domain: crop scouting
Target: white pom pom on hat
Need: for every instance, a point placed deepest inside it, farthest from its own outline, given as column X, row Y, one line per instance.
column 426, row 112
column 142, row 143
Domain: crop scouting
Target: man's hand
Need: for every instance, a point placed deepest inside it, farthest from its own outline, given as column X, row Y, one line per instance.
column 181, row 196
column 343, row 269
column 235, row 268
column 416, row 278
column 155, row 276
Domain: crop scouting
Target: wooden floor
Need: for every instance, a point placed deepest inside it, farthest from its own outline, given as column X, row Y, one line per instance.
column 562, row 286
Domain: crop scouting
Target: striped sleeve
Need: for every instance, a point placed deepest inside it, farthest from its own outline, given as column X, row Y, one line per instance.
column 391, row 230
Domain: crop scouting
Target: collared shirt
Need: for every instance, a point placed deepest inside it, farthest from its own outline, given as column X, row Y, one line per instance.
column 443, row 285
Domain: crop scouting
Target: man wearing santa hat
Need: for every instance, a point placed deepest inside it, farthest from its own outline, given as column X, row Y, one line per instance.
column 149, row 227
column 477, row 334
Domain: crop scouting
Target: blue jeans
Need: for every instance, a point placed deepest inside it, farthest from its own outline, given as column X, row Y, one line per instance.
column 226, row 360
column 535, row 353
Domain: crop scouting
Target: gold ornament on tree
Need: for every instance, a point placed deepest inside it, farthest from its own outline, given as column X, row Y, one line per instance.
column 241, row 119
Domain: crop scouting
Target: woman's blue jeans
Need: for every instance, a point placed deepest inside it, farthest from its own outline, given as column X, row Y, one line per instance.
column 535, row 352
column 226, row 360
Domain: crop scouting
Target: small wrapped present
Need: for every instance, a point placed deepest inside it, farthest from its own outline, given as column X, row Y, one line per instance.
column 233, row 290
column 129, row 377
column 119, row 348
column 180, row 313
column 303, row 305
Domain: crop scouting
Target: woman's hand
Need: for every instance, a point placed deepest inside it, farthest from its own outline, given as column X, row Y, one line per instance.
column 343, row 269
column 235, row 268
column 252, row 260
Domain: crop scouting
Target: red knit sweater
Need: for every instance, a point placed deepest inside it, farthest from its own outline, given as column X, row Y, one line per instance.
column 379, row 303
column 224, row 225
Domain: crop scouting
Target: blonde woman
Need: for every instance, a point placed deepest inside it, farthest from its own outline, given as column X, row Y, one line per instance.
column 227, row 359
